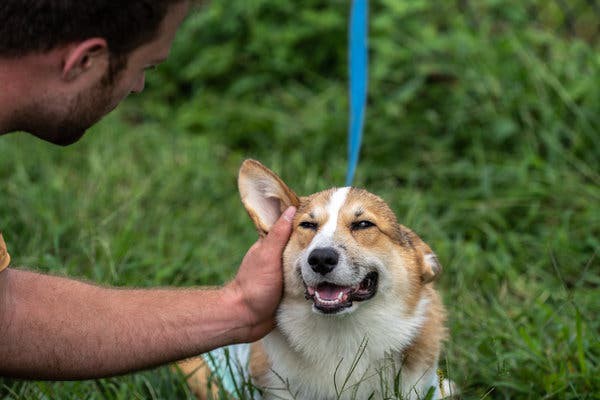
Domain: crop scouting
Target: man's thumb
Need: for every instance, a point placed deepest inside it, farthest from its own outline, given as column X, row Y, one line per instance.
column 281, row 230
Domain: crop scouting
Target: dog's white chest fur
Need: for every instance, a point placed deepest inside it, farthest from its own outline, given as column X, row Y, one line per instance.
column 329, row 357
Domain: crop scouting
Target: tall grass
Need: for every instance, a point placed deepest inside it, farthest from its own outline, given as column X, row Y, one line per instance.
column 481, row 132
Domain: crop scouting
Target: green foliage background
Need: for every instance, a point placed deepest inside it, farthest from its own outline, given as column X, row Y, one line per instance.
column 482, row 133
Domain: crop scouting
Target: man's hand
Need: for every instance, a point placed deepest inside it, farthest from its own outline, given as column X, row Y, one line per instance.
column 259, row 281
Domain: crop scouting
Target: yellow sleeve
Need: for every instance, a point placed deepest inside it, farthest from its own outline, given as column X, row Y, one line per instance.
column 4, row 256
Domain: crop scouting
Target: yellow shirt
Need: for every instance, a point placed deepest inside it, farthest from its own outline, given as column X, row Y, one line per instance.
column 4, row 256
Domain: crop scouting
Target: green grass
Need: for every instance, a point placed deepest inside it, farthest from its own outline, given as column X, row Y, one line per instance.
column 482, row 133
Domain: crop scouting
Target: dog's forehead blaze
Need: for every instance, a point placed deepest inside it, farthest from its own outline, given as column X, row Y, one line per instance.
column 358, row 204
column 316, row 202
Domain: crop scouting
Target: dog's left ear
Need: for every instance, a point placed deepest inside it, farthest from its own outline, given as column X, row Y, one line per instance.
column 264, row 195
column 431, row 267
column 426, row 258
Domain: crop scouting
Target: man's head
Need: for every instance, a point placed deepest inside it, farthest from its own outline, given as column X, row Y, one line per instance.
column 83, row 58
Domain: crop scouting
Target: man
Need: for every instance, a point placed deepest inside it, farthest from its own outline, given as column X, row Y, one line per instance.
column 63, row 65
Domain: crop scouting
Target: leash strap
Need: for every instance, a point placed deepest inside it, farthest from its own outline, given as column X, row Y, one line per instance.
column 358, row 62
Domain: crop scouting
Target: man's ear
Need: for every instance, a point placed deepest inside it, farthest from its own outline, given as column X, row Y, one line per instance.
column 264, row 195
column 84, row 56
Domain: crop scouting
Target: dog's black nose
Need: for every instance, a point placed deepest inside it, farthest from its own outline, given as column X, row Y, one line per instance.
column 323, row 260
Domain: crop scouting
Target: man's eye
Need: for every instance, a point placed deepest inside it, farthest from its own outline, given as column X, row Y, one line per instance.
column 308, row 225
column 362, row 225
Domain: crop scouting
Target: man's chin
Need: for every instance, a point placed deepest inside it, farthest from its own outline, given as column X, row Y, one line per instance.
column 69, row 139
column 62, row 137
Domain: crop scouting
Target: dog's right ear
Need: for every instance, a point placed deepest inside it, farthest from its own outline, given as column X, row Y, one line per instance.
column 264, row 195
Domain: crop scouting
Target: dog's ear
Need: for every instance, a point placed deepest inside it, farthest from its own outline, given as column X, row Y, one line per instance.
column 426, row 258
column 431, row 267
column 264, row 195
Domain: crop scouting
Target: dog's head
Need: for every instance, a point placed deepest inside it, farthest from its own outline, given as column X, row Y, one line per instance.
column 346, row 246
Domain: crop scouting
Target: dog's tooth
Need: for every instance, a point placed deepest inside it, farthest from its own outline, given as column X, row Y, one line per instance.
column 318, row 296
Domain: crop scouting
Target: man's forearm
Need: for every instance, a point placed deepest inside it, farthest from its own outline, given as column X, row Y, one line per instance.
column 57, row 328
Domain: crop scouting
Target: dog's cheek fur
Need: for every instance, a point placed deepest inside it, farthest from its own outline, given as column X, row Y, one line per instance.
column 398, row 281
column 402, row 278
column 293, row 285
column 302, row 237
column 411, row 287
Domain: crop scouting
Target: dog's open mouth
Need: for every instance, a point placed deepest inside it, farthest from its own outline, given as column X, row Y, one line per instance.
column 330, row 298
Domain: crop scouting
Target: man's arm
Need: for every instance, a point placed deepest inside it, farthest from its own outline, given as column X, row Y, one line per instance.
column 57, row 328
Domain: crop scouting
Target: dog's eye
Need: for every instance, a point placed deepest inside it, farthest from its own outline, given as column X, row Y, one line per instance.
column 362, row 225
column 308, row 225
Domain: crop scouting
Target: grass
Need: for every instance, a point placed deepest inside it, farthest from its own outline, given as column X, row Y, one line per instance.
column 483, row 137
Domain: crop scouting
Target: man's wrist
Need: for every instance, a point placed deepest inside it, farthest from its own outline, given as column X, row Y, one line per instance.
column 236, row 306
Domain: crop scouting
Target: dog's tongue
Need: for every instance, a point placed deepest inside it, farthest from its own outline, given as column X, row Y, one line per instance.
column 328, row 291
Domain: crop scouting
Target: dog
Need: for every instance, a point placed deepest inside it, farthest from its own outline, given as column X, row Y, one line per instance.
column 360, row 317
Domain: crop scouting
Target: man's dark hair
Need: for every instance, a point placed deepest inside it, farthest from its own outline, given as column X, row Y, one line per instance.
column 28, row 26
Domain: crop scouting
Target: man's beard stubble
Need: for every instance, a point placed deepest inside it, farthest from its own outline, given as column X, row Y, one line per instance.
column 66, row 125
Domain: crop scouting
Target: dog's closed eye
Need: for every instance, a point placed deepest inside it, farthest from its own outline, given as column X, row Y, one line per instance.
column 308, row 225
column 362, row 225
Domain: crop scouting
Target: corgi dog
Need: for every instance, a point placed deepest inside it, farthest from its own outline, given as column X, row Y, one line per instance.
column 360, row 317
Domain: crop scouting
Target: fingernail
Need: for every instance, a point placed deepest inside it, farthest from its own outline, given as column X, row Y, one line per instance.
column 289, row 213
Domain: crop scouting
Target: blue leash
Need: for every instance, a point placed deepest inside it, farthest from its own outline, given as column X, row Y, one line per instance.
column 358, row 61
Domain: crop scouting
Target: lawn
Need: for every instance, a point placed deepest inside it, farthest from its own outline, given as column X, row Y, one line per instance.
column 482, row 133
